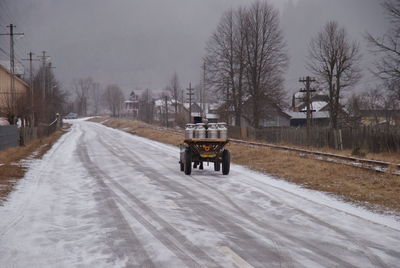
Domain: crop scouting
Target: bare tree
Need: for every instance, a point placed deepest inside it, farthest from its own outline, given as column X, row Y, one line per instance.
column 82, row 89
column 266, row 58
column 380, row 105
column 96, row 97
column 225, row 60
column 146, row 107
column 246, row 59
column 388, row 46
column 49, row 97
column 174, row 90
column 334, row 60
column 114, row 98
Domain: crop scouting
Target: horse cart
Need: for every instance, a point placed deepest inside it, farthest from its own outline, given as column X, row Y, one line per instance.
column 205, row 143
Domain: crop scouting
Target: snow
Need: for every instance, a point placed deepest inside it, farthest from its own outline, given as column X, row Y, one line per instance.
column 102, row 197
column 4, row 121
column 303, row 115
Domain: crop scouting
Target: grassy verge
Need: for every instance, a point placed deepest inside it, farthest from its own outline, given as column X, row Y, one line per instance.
column 370, row 189
column 12, row 167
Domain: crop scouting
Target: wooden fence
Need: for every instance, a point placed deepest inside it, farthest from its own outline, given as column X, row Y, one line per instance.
column 11, row 136
column 372, row 139
column 8, row 136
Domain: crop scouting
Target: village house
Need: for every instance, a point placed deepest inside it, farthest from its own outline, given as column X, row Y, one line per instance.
column 131, row 107
column 379, row 117
column 318, row 104
column 21, row 89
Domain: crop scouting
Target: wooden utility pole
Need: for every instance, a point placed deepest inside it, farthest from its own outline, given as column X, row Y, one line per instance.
column 30, row 59
column 43, row 59
column 12, row 69
column 308, row 80
column 166, row 110
column 190, row 94
column 203, row 88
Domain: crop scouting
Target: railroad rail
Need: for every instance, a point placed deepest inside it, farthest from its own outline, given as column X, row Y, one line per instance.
column 362, row 163
column 375, row 165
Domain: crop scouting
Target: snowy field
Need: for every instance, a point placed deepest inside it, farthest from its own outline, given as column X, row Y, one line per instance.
column 104, row 198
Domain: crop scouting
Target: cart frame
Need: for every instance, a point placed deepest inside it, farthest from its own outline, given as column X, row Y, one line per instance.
column 207, row 150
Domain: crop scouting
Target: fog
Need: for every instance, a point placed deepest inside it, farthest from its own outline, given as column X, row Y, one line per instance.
column 141, row 43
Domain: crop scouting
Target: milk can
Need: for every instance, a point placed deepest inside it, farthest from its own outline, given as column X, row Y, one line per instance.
column 212, row 131
column 222, row 131
column 200, row 131
column 189, row 131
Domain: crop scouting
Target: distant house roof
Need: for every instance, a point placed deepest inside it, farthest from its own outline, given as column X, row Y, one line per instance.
column 303, row 115
column 212, row 116
column 7, row 69
column 19, row 69
column 161, row 102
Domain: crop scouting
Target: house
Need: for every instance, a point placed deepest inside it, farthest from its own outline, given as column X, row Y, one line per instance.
column 319, row 105
column 21, row 89
column 210, row 111
column 272, row 115
column 379, row 117
column 131, row 106
column 299, row 119
column 318, row 102
column 160, row 108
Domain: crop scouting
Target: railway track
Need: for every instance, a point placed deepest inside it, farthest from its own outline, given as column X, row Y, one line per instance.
column 362, row 163
column 375, row 165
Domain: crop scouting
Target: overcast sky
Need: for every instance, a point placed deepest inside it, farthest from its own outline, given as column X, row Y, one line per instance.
column 140, row 43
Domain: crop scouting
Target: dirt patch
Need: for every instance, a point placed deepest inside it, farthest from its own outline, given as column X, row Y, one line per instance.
column 373, row 190
column 11, row 160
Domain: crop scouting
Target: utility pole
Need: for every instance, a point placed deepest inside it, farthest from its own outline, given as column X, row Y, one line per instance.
column 30, row 59
column 203, row 90
column 43, row 59
column 50, row 90
column 166, row 110
column 190, row 94
column 12, row 69
column 308, row 80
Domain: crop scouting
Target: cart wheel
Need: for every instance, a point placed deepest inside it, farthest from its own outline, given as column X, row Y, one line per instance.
column 182, row 166
column 188, row 162
column 226, row 162
column 217, row 166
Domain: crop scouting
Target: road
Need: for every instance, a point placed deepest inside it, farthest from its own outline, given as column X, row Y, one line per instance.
column 104, row 198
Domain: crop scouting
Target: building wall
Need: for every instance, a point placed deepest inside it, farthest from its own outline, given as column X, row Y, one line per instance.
column 5, row 87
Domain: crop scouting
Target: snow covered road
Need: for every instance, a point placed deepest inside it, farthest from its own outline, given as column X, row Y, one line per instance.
column 104, row 198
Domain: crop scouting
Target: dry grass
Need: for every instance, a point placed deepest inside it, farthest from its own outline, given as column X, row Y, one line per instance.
column 11, row 168
column 368, row 188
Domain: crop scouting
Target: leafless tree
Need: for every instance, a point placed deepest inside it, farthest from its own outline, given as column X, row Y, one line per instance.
column 388, row 46
column 334, row 59
column 266, row 58
column 114, row 98
column 96, row 97
column 245, row 60
column 225, row 60
column 49, row 97
column 174, row 90
column 82, row 88
column 380, row 104
column 146, row 106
